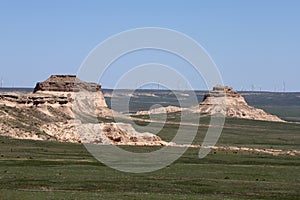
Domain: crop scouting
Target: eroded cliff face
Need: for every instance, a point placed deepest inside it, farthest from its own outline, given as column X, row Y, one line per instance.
column 222, row 100
column 228, row 102
column 64, row 108
column 68, row 85
column 65, row 83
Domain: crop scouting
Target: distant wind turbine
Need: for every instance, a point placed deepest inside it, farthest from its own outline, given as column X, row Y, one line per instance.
column 242, row 88
column 252, row 87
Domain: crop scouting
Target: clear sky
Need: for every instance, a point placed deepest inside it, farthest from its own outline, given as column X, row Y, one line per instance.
column 254, row 43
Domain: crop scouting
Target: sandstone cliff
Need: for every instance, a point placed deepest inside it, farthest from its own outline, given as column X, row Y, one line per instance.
column 57, row 105
column 221, row 100
column 224, row 100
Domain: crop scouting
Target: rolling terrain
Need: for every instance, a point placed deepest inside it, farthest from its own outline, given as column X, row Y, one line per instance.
column 39, row 169
column 54, row 170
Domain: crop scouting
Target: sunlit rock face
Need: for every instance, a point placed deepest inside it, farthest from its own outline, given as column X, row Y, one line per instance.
column 66, row 109
column 226, row 101
column 222, row 100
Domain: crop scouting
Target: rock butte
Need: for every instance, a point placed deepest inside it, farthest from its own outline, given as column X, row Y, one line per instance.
column 56, row 110
column 63, row 104
column 221, row 100
column 225, row 100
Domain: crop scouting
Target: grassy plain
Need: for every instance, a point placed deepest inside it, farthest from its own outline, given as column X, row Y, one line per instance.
column 51, row 170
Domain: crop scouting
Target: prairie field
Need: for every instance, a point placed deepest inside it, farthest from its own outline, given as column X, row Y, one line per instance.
column 52, row 170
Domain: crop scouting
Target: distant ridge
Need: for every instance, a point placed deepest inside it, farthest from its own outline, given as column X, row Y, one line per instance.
column 18, row 90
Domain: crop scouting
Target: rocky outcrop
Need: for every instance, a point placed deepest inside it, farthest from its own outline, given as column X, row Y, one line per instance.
column 34, row 99
column 168, row 109
column 118, row 134
column 228, row 102
column 100, row 133
column 65, row 83
column 71, row 86
column 59, row 108
column 222, row 100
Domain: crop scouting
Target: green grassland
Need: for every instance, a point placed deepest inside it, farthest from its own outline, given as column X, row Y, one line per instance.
column 52, row 170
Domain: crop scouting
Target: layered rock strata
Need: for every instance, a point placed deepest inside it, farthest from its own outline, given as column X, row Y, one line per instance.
column 222, row 100
column 228, row 102
column 64, row 108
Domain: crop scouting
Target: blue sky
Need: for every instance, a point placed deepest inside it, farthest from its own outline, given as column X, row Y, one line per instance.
column 252, row 42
